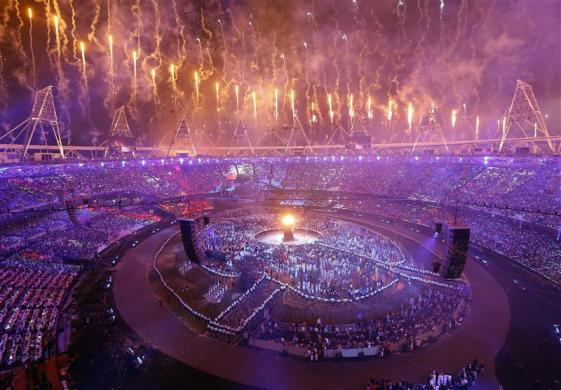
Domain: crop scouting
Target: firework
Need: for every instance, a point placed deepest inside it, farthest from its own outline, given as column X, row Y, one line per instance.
column 535, row 129
column 154, row 85
column 254, row 98
column 173, row 79
column 276, row 105
column 57, row 36
column 217, row 86
column 410, row 116
column 84, row 70
column 454, row 117
column 477, row 127
column 330, row 104
column 197, row 85
column 237, row 90
column 369, row 111
column 134, row 70
column 390, row 111
column 111, row 71
column 33, row 66
column 292, row 104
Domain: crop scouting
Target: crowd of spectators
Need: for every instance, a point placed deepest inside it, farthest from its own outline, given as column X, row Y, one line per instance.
column 437, row 380
column 31, row 296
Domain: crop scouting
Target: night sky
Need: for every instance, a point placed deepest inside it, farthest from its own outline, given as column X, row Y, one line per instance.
column 455, row 55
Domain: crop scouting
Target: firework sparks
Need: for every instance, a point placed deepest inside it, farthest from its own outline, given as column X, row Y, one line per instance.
column 217, row 87
column 477, row 127
column 330, row 104
column 254, row 98
column 410, row 116
column 454, row 118
column 57, row 36
column 292, row 104
column 111, row 70
column 134, row 70
column 276, row 104
column 154, row 85
column 237, row 90
column 197, row 86
column 33, row 66
column 84, row 70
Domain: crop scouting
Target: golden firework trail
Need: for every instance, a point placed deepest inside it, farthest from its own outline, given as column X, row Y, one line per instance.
column 477, row 127
column 313, row 118
column 330, row 104
column 254, row 98
column 390, row 110
column 217, row 86
column 276, row 106
column 154, row 86
column 369, row 112
column 84, row 70
column 57, row 36
column 237, row 90
column 197, row 85
column 535, row 129
column 410, row 116
column 134, row 70
column 33, row 65
column 173, row 79
column 292, row 105
column 111, row 70
column 454, row 118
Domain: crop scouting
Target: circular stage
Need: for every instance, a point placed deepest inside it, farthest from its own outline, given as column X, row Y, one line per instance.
column 275, row 237
column 254, row 293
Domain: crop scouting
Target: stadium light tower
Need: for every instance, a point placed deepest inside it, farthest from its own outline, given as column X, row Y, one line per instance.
column 429, row 130
column 121, row 138
column 525, row 113
column 182, row 137
column 42, row 121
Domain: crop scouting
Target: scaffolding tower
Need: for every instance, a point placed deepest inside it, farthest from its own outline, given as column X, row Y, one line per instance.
column 182, row 139
column 41, row 125
column 524, row 117
column 429, row 130
column 240, row 137
column 121, row 138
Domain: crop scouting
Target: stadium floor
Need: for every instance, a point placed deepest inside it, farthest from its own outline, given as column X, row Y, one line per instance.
column 482, row 335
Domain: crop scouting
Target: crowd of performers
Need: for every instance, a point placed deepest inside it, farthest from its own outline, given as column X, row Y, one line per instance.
column 335, row 266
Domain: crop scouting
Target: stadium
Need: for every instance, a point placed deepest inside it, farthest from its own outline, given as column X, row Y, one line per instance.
column 208, row 194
